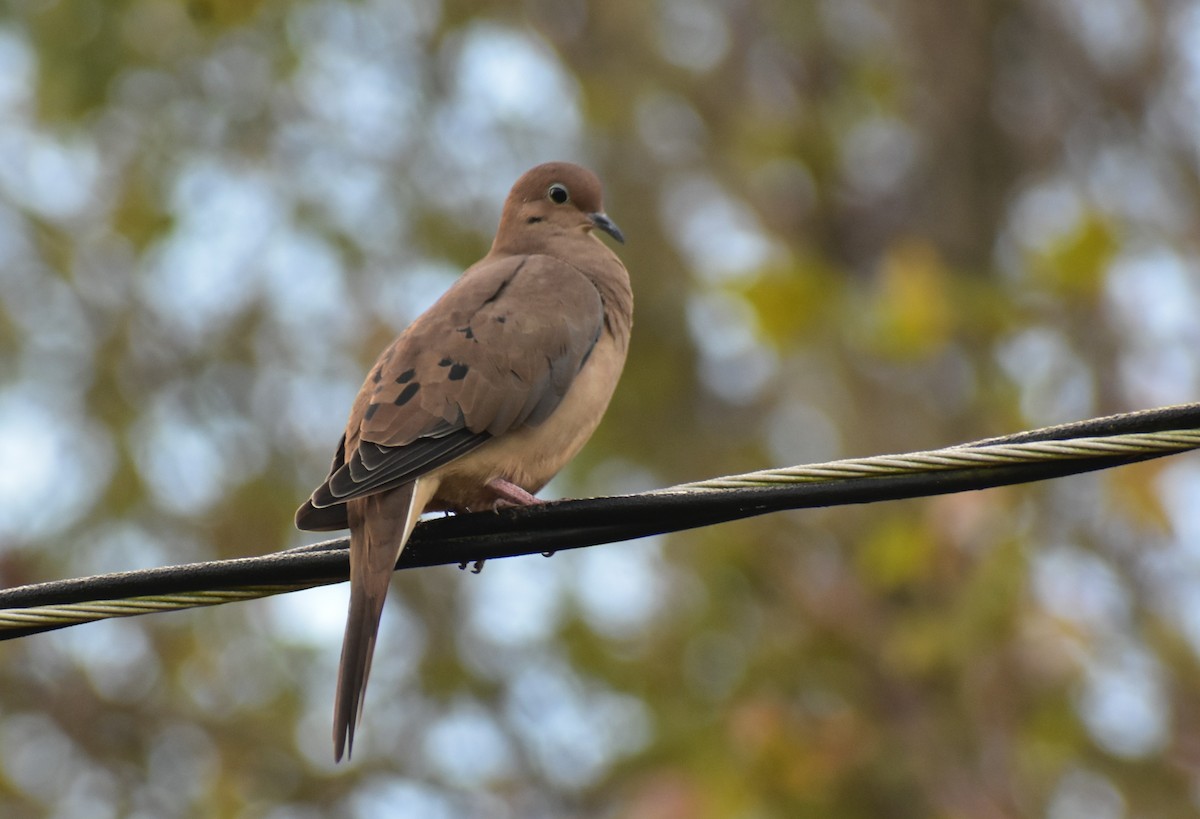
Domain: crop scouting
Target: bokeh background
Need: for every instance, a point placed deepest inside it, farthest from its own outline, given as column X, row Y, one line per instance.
column 855, row 227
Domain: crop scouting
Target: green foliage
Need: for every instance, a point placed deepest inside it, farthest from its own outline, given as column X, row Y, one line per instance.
column 854, row 227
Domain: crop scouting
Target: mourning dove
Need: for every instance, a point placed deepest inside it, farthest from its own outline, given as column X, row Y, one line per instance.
column 482, row 399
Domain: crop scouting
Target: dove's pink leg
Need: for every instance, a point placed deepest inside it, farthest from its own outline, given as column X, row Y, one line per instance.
column 511, row 494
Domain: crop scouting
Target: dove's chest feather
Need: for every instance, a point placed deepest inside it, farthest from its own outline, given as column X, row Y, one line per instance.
column 531, row 456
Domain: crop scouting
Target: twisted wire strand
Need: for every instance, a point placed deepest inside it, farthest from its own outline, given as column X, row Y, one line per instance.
column 956, row 457
column 70, row 614
column 965, row 457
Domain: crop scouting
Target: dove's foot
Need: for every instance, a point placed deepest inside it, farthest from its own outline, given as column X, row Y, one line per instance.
column 509, row 494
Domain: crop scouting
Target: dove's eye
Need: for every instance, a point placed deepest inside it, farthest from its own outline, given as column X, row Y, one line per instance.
column 558, row 194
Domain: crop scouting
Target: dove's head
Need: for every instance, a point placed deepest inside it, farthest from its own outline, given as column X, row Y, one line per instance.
column 550, row 200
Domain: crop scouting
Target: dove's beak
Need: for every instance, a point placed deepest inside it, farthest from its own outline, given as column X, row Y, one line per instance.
column 607, row 225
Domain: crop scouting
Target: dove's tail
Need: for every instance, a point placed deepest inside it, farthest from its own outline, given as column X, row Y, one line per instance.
column 379, row 527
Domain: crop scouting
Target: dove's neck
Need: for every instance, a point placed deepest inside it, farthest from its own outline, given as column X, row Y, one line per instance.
column 584, row 251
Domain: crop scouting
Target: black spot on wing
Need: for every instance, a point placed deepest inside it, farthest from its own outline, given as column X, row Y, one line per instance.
column 370, row 413
column 405, row 376
column 458, row 372
column 468, row 333
column 405, row 395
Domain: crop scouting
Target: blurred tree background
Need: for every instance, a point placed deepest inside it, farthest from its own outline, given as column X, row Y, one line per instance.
column 855, row 227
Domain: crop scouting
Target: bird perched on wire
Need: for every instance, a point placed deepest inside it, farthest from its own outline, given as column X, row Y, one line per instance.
column 482, row 399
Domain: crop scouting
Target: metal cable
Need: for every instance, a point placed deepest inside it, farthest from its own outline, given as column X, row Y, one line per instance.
column 957, row 457
column 69, row 614
column 570, row 524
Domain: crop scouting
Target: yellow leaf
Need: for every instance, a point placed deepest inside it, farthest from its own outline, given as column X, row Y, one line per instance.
column 1134, row 490
column 899, row 551
column 1075, row 264
column 788, row 302
column 913, row 315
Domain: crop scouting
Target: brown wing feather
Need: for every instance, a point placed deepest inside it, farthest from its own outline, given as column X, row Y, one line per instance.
column 477, row 364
